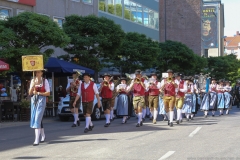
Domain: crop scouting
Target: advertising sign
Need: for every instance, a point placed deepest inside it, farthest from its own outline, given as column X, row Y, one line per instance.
column 32, row 63
column 210, row 26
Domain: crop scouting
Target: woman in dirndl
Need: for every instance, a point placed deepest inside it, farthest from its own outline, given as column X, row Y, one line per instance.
column 205, row 102
column 161, row 104
column 228, row 97
column 220, row 97
column 195, row 100
column 188, row 101
column 39, row 90
column 122, row 100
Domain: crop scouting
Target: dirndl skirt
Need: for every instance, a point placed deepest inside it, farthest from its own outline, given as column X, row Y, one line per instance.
column 122, row 105
column 161, row 106
column 188, row 103
column 228, row 100
column 38, row 105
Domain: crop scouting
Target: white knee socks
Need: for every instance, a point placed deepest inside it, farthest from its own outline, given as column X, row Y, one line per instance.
column 151, row 113
column 187, row 115
column 37, row 135
column 107, row 118
column 192, row 115
column 87, row 122
column 213, row 112
column 140, row 115
column 111, row 114
column 171, row 113
column 227, row 111
column 91, row 124
column 179, row 112
column 42, row 134
column 155, row 112
column 143, row 113
column 75, row 118
column 205, row 113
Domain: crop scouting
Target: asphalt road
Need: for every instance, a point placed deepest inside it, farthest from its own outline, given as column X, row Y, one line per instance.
column 212, row 138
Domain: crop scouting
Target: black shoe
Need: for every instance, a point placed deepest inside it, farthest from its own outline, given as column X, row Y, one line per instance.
column 128, row 117
column 168, row 122
column 213, row 115
column 111, row 120
column 35, row 144
column 138, row 125
column 74, row 125
column 78, row 122
column 143, row 119
column 151, row 118
column 86, row 130
column 141, row 123
column 222, row 114
column 147, row 116
column 164, row 119
column 191, row 118
column 171, row 124
column 177, row 121
column 123, row 122
column 107, row 124
column 181, row 121
column 91, row 128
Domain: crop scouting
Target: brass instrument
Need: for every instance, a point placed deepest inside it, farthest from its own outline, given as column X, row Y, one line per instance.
column 105, row 83
column 76, row 82
column 91, row 79
column 145, row 77
column 137, row 80
column 169, row 79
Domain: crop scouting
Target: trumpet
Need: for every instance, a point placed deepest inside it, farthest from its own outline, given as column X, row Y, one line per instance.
column 105, row 83
column 74, row 89
column 145, row 77
column 137, row 80
column 169, row 79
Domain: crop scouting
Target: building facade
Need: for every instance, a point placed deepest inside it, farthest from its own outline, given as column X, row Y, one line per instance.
column 232, row 45
column 133, row 15
column 56, row 10
column 184, row 21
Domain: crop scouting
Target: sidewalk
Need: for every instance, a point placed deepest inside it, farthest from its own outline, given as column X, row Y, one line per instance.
column 23, row 123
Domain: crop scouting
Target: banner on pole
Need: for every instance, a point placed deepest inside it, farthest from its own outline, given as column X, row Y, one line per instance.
column 32, row 63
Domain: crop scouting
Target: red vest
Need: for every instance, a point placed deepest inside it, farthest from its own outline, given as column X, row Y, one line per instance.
column 181, row 86
column 138, row 89
column 42, row 88
column 88, row 93
column 169, row 90
column 74, row 93
column 214, row 87
column 153, row 90
column 189, row 88
column 123, row 92
column 107, row 92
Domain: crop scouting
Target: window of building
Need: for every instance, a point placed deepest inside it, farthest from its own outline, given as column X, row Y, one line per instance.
column 232, row 51
column 59, row 21
column 133, row 7
column 118, row 8
column 20, row 11
column 102, row 5
column 153, row 19
column 139, row 14
column 110, row 6
column 4, row 13
column 76, row 0
column 88, row 1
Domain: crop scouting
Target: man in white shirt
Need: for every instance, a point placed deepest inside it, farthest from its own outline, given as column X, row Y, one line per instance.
column 87, row 91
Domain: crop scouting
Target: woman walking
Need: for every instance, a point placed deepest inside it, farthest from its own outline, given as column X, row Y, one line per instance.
column 39, row 89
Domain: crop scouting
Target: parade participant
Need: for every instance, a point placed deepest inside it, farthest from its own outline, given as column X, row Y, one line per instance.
column 73, row 88
column 153, row 87
column 188, row 102
column 39, row 89
column 213, row 97
column 220, row 99
column 236, row 94
column 106, row 91
column 138, row 87
column 161, row 102
column 87, row 91
column 195, row 99
column 228, row 97
column 122, row 100
column 180, row 92
column 168, row 86
column 61, row 93
column 144, row 110
column 205, row 103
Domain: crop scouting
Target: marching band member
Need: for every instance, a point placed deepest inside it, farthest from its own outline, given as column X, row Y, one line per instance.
column 106, row 90
column 153, row 87
column 220, row 93
column 144, row 110
column 123, row 100
column 195, row 99
column 39, row 89
column 161, row 102
column 88, row 91
column 213, row 96
column 138, row 87
column 205, row 103
column 228, row 97
column 73, row 88
column 188, row 102
column 168, row 87
column 180, row 92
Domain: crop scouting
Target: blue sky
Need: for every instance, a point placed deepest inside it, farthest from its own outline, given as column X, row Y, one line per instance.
column 232, row 13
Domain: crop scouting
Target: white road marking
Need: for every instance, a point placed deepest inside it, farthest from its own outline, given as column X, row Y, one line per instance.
column 168, row 154
column 194, row 132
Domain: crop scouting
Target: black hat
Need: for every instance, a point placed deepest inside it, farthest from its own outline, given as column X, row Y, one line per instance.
column 138, row 71
column 86, row 74
column 177, row 74
column 153, row 74
column 186, row 78
column 169, row 71
column 106, row 74
column 123, row 78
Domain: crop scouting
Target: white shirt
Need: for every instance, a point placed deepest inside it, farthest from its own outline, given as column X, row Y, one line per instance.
column 158, row 85
column 212, row 86
column 47, row 88
column 69, row 83
column 228, row 88
column 112, row 86
column 220, row 88
column 191, row 85
column 118, row 87
column 86, row 85
column 184, row 89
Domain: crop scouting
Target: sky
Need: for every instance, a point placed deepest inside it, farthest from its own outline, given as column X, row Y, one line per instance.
column 232, row 12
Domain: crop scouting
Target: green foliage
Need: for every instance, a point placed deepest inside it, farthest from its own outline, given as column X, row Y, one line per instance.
column 178, row 57
column 137, row 52
column 29, row 34
column 94, row 40
column 25, row 103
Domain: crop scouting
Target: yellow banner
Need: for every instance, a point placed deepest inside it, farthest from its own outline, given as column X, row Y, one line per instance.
column 32, row 63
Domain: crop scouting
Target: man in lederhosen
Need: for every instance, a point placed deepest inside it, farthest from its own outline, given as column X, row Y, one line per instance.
column 106, row 91
column 73, row 88
column 180, row 92
column 168, row 86
column 88, row 91
column 153, row 87
column 138, row 87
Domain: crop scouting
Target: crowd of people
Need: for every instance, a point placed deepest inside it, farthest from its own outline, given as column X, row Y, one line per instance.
column 145, row 96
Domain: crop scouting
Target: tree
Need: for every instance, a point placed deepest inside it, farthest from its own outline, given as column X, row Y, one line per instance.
column 94, row 40
column 137, row 52
column 178, row 57
column 29, row 34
